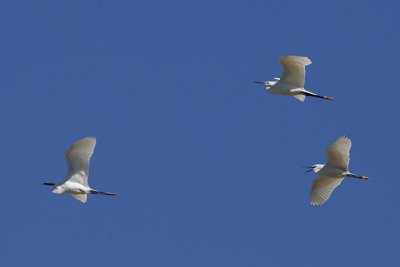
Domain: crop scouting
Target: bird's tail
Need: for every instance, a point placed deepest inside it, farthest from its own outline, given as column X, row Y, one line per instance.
column 102, row 193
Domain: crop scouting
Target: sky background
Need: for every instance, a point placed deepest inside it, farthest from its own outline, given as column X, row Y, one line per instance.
column 206, row 164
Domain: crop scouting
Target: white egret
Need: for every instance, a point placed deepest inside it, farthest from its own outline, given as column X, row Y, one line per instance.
column 76, row 182
column 333, row 172
column 293, row 77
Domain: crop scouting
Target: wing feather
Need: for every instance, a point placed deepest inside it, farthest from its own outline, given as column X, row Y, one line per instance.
column 78, row 160
column 322, row 189
column 300, row 97
column 294, row 71
column 339, row 153
column 81, row 197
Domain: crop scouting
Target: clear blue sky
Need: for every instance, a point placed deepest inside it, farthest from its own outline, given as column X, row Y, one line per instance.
column 208, row 166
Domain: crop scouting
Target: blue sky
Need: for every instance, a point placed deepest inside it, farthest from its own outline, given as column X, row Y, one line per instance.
column 208, row 166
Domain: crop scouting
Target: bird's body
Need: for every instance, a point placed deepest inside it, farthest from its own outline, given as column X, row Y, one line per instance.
column 333, row 172
column 293, row 78
column 286, row 89
column 78, row 159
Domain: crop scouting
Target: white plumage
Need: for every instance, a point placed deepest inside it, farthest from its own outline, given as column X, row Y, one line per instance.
column 292, row 81
column 333, row 173
column 78, row 160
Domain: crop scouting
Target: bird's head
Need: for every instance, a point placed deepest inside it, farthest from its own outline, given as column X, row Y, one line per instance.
column 263, row 83
column 53, row 186
column 316, row 168
column 268, row 84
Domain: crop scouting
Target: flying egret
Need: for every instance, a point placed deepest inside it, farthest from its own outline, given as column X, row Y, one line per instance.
column 292, row 81
column 333, row 172
column 78, row 160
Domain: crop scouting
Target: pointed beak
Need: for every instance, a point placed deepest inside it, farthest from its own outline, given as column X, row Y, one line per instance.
column 49, row 184
column 259, row 82
column 310, row 169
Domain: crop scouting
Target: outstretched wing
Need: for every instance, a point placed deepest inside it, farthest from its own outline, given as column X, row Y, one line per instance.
column 78, row 160
column 339, row 154
column 300, row 97
column 81, row 197
column 294, row 70
column 322, row 189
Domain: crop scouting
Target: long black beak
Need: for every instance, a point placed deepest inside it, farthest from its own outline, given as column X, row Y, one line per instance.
column 311, row 168
column 259, row 82
column 50, row 184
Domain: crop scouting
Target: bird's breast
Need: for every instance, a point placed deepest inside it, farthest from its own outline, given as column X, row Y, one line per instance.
column 71, row 188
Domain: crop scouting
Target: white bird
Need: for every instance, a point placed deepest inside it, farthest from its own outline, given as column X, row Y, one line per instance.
column 76, row 182
column 333, row 173
column 293, row 77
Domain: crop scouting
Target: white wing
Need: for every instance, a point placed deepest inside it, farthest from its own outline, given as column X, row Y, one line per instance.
column 81, row 197
column 322, row 189
column 294, row 70
column 78, row 160
column 300, row 97
column 339, row 153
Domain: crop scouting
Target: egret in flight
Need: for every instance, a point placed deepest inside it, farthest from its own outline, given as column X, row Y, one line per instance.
column 292, row 81
column 76, row 182
column 333, row 172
